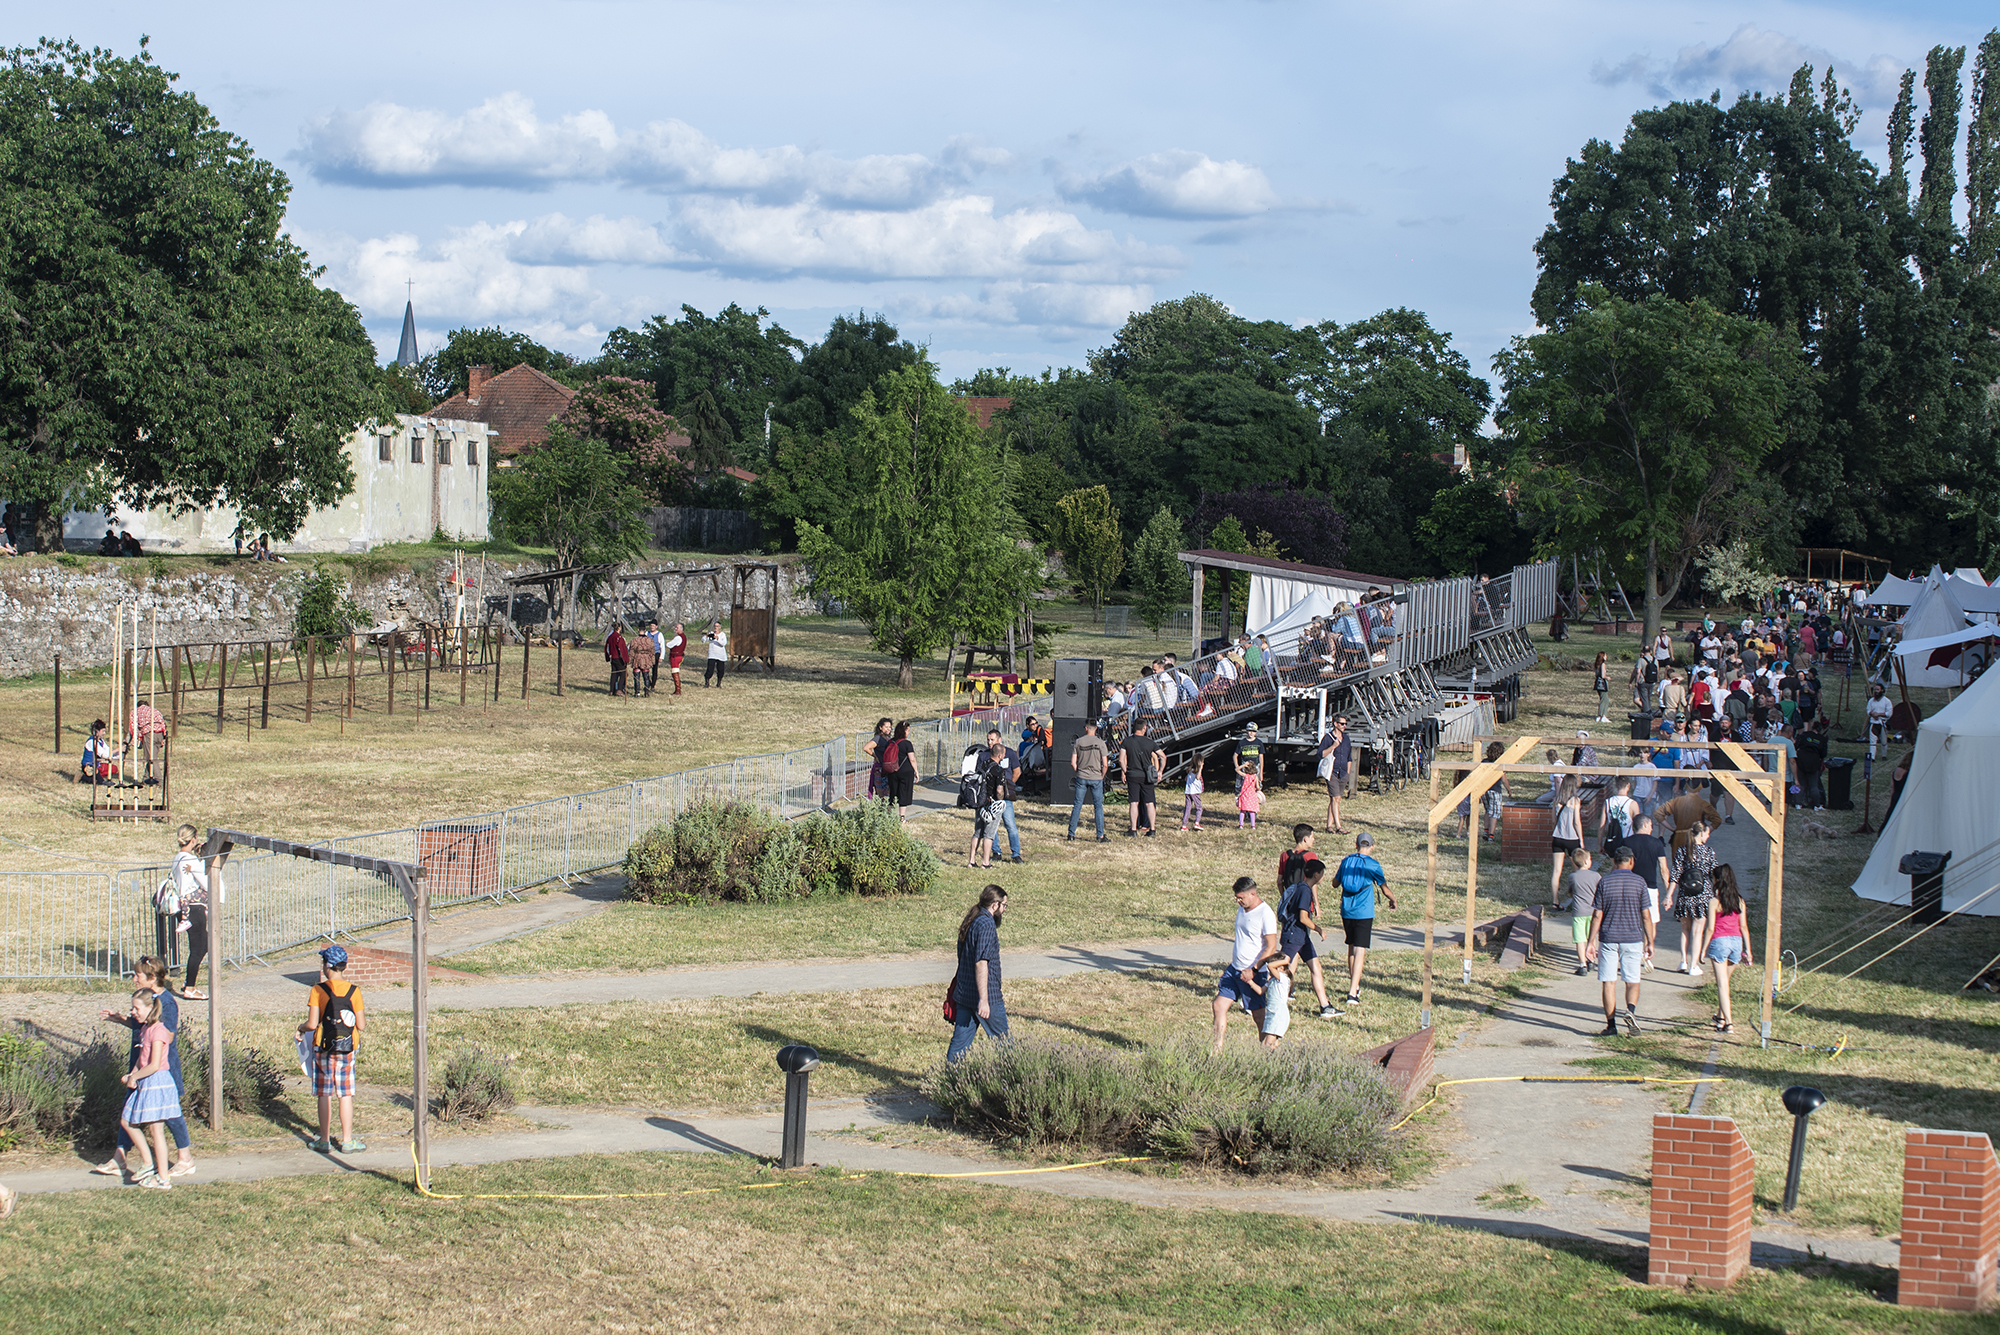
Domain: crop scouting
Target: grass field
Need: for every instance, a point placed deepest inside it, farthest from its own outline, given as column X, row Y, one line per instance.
column 833, row 1253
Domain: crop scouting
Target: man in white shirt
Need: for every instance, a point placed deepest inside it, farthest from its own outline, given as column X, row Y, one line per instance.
column 1711, row 649
column 718, row 654
column 1256, row 941
column 1879, row 710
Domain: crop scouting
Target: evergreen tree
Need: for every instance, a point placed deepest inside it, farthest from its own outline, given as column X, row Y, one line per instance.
column 1159, row 576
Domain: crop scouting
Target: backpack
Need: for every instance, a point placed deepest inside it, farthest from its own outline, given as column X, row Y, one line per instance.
column 167, row 898
column 972, row 792
column 335, row 1034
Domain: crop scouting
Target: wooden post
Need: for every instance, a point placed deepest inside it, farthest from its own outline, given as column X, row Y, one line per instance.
column 221, row 677
column 1471, row 880
column 1199, row 571
column 266, row 721
column 524, row 667
column 215, row 857
column 1430, row 924
column 559, row 666
column 464, row 659
column 1774, row 910
column 311, row 652
column 419, row 898
column 58, row 703
column 353, row 643
column 430, row 648
column 395, row 636
column 174, row 692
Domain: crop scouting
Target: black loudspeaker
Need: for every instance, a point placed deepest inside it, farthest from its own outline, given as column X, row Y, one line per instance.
column 1078, row 688
column 1062, row 779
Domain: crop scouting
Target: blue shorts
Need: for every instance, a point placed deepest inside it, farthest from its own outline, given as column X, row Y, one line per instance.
column 1233, row 987
column 1298, row 941
column 1620, row 958
column 1726, row 950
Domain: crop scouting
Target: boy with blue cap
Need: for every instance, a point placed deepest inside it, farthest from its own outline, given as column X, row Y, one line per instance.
column 334, row 1019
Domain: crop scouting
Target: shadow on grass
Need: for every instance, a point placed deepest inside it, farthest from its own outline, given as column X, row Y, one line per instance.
column 835, row 1056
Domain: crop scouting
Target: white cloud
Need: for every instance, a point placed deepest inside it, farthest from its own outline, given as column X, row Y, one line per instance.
column 504, row 142
column 1054, row 307
column 1176, row 184
column 1751, row 59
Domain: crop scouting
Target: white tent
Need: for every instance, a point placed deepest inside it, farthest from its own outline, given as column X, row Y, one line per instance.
column 1933, row 629
column 1895, row 591
column 1971, row 575
column 1283, row 629
column 1947, row 806
column 1272, row 597
column 1975, row 598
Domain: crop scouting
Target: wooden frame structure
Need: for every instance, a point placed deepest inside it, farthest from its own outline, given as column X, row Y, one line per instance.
column 407, row 877
column 1750, row 784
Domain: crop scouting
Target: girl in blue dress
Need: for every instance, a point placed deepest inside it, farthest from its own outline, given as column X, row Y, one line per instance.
column 154, row 1099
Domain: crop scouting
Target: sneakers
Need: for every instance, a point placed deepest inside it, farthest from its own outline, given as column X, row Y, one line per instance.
column 1609, row 1031
column 182, row 926
column 1582, row 969
column 1016, row 859
column 319, row 1146
column 1330, row 1012
column 350, row 1146
column 1103, row 838
column 1631, row 1022
column 1353, row 1000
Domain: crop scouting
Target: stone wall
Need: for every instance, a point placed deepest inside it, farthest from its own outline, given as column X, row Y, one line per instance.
column 46, row 608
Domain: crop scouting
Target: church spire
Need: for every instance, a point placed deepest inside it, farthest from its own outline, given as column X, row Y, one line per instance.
column 406, row 355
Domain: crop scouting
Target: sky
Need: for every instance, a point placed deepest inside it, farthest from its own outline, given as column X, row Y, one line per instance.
column 1004, row 182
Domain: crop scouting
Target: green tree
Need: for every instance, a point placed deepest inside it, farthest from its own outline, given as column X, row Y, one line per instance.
column 162, row 341
column 926, row 554
column 708, row 450
column 998, row 382
column 836, row 371
column 570, row 493
column 1735, row 572
column 1159, row 577
column 443, row 373
column 1470, row 527
column 742, row 363
column 623, row 414
column 1092, row 544
column 1633, row 426
column 1039, row 483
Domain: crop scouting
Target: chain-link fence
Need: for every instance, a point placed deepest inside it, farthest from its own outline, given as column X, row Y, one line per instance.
column 97, row 924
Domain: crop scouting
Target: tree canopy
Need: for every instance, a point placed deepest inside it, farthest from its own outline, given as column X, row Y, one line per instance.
column 741, row 362
column 162, row 341
column 571, row 493
column 443, row 373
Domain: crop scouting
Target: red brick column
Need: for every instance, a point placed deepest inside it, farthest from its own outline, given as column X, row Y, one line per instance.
column 1702, row 1176
column 1951, row 1220
column 1525, row 830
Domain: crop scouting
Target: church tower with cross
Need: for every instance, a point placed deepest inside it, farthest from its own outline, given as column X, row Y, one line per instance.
column 406, row 354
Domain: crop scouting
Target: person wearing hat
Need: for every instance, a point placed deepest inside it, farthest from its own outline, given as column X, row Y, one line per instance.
column 1359, row 875
column 1250, row 753
column 334, row 1019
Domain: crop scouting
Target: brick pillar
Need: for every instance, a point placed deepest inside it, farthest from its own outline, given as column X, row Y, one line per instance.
column 1525, row 830
column 1702, row 1176
column 1951, row 1220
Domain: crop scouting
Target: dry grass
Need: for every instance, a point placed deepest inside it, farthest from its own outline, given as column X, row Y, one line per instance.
column 830, row 1253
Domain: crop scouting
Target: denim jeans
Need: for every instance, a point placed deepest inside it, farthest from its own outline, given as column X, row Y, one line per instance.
column 1094, row 790
column 968, row 1025
column 1013, row 831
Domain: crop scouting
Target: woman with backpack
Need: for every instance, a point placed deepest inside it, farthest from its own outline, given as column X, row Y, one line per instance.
column 335, row 1021
column 190, row 884
column 899, row 767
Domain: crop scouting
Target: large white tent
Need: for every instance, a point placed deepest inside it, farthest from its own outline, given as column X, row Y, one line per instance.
column 1977, row 599
column 1947, row 806
column 1283, row 628
column 1274, row 596
column 1971, row 575
column 1895, row 591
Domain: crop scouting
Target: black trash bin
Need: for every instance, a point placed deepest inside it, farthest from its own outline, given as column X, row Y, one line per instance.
column 1839, row 783
column 1642, row 726
column 1926, row 873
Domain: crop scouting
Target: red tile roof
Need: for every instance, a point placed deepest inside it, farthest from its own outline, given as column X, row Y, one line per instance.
column 517, row 404
column 983, row 408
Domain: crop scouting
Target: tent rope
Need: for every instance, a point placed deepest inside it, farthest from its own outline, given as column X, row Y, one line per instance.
column 1898, row 946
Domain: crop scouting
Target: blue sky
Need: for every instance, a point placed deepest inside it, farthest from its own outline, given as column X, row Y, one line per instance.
column 1004, row 181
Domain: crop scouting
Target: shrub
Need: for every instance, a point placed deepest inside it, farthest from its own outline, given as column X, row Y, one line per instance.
column 743, row 853
column 249, row 1078
column 1305, row 1108
column 40, row 1093
column 476, row 1085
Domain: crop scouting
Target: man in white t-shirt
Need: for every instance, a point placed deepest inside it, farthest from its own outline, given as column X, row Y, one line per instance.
column 1256, row 941
column 718, row 654
column 1711, row 648
column 1879, row 710
column 1663, row 651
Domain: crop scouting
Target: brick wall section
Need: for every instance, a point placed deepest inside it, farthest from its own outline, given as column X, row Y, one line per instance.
column 1407, row 1062
column 1525, row 831
column 369, row 967
column 1524, row 937
column 1702, row 1176
column 1951, row 1220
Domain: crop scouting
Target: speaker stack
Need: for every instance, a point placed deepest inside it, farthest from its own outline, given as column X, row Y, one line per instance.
column 1077, row 697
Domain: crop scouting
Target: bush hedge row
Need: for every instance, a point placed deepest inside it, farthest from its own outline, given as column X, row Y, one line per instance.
column 742, row 853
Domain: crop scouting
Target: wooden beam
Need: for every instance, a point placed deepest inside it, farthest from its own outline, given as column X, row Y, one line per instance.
column 1491, row 774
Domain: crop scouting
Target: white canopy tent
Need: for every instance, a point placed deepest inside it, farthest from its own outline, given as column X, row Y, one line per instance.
column 1895, row 591
column 1947, row 806
column 1933, row 628
column 1283, row 628
column 1976, row 599
column 1273, row 597
column 1971, row 575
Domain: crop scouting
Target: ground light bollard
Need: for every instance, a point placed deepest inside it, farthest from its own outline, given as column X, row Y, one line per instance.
column 1801, row 1102
column 796, row 1060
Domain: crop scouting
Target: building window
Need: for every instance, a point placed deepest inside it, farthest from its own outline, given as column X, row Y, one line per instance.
column 444, row 448
column 416, row 448
column 471, row 452
column 382, row 449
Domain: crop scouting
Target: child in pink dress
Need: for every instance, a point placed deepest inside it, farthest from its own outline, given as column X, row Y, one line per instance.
column 1249, row 796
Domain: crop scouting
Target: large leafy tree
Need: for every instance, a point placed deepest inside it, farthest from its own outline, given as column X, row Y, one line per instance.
column 443, row 373
column 162, row 342
column 836, row 371
column 1303, row 524
column 1766, row 209
column 623, row 414
column 739, row 360
column 1636, row 427
column 927, row 553
column 571, row 493
column 1093, row 546
column 1159, row 577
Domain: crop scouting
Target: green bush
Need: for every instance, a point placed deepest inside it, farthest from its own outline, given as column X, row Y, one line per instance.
column 1306, row 1107
column 476, row 1085
column 737, row 852
column 249, row 1078
column 40, row 1093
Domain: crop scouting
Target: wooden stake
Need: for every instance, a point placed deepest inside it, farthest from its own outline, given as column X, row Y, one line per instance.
column 395, row 637
column 312, row 671
column 266, row 722
column 221, row 675
column 59, row 699
column 464, row 659
column 559, row 667
column 524, row 667
column 353, row 644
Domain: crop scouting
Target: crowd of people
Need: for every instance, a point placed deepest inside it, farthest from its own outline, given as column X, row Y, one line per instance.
column 635, row 659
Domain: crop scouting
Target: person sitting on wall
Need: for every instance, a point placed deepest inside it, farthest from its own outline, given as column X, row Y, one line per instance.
column 129, row 545
column 108, row 544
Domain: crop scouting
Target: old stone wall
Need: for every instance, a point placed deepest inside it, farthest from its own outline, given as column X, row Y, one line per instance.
column 47, row 608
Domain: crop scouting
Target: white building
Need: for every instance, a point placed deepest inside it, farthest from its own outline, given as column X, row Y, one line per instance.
column 427, row 475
